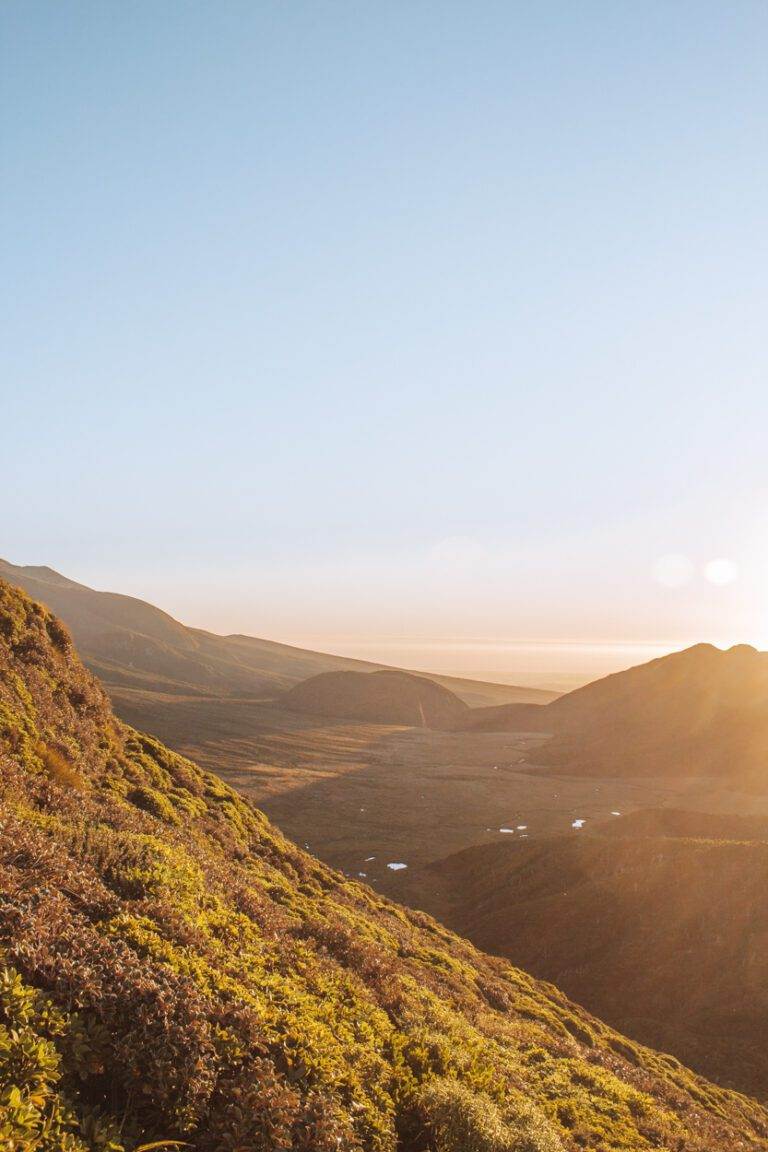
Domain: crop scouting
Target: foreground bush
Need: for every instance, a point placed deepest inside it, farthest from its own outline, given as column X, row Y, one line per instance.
column 459, row 1120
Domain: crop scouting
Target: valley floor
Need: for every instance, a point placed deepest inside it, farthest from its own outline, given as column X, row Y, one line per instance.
column 350, row 791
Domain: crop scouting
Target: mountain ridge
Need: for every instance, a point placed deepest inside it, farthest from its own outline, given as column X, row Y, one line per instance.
column 128, row 642
column 700, row 711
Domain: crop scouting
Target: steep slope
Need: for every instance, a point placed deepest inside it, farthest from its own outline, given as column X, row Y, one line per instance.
column 701, row 711
column 133, row 646
column 172, row 968
column 658, row 923
column 377, row 697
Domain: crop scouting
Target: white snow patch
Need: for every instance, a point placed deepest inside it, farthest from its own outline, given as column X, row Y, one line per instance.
column 615, row 813
column 368, row 859
column 396, row 867
column 506, row 829
column 578, row 824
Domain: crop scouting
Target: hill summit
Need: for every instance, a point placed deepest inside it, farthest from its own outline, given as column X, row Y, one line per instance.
column 172, row 969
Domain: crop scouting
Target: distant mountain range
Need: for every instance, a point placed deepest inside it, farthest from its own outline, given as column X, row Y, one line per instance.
column 658, row 923
column 701, row 711
column 698, row 712
column 130, row 644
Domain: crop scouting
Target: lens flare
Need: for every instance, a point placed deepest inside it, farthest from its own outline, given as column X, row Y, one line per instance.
column 721, row 571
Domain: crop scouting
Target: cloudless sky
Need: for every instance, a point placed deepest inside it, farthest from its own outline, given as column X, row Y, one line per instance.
column 363, row 324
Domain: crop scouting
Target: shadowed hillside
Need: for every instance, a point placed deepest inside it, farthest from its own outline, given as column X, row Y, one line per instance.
column 172, row 968
column 676, row 822
column 700, row 712
column 658, row 923
column 378, row 697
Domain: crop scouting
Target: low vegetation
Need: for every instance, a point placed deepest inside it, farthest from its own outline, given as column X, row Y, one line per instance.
column 656, row 922
column 173, row 970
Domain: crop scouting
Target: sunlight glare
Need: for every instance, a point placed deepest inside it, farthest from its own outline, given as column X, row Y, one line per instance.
column 721, row 571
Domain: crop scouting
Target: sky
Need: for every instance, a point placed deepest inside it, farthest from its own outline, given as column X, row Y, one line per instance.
column 416, row 327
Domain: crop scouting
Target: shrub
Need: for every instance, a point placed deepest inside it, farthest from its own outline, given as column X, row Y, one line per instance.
column 155, row 803
column 459, row 1120
column 34, row 1117
column 58, row 633
column 59, row 768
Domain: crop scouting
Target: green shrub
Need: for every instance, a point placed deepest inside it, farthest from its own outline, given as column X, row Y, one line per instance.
column 459, row 1120
column 155, row 803
column 34, row 1117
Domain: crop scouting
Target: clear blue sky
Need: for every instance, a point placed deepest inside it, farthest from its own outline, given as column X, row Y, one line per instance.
column 402, row 318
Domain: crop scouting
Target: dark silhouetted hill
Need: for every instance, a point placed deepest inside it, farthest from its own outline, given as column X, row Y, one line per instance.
column 379, row 698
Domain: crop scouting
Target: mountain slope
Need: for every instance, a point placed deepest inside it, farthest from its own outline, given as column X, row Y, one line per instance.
column 131, row 645
column 658, row 923
column 701, row 711
column 681, row 824
column 379, row 698
column 172, row 968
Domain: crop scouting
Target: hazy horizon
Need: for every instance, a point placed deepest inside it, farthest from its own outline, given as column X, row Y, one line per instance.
column 557, row 664
column 549, row 664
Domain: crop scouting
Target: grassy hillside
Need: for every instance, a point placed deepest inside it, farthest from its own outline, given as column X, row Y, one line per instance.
column 701, row 712
column 659, row 924
column 172, row 968
column 134, row 647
